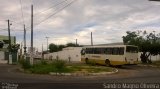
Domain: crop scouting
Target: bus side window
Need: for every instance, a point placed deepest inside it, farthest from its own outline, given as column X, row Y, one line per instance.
column 108, row 50
column 89, row 51
column 115, row 51
column 121, row 51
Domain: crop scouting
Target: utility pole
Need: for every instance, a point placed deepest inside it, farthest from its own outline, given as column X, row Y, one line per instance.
column 76, row 42
column 91, row 40
column 42, row 51
column 24, row 42
column 21, row 51
column 47, row 43
column 9, row 36
column 154, row 36
column 42, row 47
column 31, row 58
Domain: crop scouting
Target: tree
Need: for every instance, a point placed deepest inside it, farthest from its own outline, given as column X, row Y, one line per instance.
column 149, row 44
column 15, row 47
column 53, row 48
column 1, row 44
column 72, row 45
column 60, row 47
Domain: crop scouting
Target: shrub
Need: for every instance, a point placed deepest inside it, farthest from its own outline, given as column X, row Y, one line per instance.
column 59, row 65
column 43, row 62
column 41, row 69
column 92, row 63
column 25, row 64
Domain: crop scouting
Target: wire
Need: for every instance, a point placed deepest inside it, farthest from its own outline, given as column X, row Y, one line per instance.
column 22, row 12
column 50, row 7
column 55, row 13
column 4, row 29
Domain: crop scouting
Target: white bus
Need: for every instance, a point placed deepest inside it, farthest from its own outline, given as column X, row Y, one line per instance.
column 110, row 55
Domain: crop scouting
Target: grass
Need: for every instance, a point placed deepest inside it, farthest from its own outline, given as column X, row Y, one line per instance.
column 156, row 63
column 91, row 69
column 59, row 66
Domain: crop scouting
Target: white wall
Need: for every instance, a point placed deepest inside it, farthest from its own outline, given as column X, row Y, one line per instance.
column 68, row 54
column 153, row 58
column 2, row 55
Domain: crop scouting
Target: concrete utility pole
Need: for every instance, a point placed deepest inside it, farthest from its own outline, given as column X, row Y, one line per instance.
column 9, row 36
column 42, row 47
column 31, row 55
column 76, row 42
column 91, row 40
column 42, row 51
column 24, row 42
column 47, row 43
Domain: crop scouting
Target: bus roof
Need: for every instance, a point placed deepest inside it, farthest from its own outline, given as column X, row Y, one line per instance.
column 100, row 46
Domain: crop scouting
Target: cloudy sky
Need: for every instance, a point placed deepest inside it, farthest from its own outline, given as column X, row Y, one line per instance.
column 65, row 21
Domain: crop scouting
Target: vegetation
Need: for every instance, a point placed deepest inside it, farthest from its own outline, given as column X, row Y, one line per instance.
column 15, row 47
column 156, row 63
column 91, row 69
column 54, row 48
column 25, row 64
column 148, row 43
column 60, row 66
column 1, row 44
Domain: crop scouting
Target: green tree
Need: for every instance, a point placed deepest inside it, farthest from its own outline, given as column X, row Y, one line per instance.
column 15, row 47
column 72, row 45
column 1, row 44
column 60, row 47
column 149, row 44
column 53, row 48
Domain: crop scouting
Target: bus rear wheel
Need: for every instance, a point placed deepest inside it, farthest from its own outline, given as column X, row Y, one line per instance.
column 86, row 60
column 107, row 63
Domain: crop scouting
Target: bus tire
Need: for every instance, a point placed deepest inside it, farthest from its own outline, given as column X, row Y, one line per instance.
column 86, row 60
column 107, row 63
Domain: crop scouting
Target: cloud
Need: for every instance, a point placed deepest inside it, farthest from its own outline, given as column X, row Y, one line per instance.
column 108, row 20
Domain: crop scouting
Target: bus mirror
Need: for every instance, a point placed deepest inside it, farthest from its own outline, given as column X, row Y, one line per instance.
column 82, row 52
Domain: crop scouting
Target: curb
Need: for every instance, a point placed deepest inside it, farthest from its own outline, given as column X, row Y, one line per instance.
column 83, row 73
column 148, row 65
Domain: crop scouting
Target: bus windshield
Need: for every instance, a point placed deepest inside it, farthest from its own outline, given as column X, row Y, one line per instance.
column 132, row 49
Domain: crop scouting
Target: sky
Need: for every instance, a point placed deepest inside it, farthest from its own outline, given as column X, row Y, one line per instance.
column 64, row 21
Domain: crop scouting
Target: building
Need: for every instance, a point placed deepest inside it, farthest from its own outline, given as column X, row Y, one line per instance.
column 4, row 53
column 70, row 54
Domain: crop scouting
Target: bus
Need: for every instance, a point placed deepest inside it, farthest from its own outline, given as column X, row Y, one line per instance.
column 110, row 55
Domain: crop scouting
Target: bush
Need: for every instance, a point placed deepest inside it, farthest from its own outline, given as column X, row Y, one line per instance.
column 92, row 63
column 43, row 62
column 59, row 65
column 41, row 68
column 25, row 64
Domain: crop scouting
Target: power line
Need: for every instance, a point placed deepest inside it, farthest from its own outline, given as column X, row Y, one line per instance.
column 50, row 7
column 55, row 13
column 28, row 28
column 4, row 29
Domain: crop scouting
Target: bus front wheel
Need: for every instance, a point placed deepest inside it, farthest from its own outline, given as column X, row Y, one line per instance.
column 107, row 62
